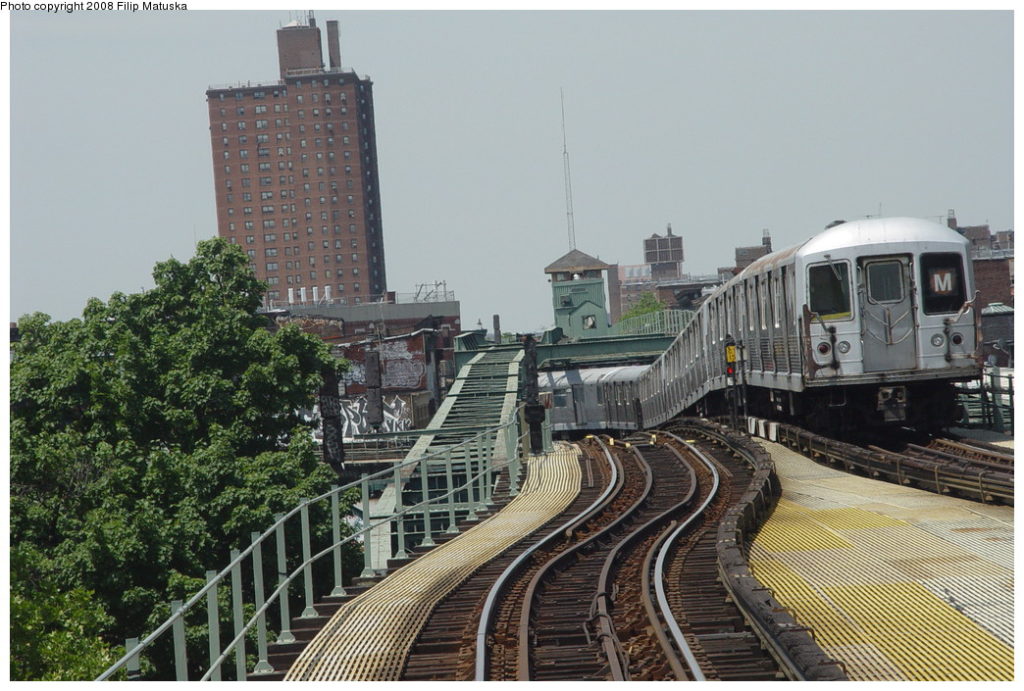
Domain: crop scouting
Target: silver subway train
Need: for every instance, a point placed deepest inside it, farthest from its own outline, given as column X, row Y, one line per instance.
column 865, row 324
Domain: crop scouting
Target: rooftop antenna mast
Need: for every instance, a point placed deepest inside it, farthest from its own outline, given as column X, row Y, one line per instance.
column 568, row 180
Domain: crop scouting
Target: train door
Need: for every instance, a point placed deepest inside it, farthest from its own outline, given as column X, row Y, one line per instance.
column 579, row 403
column 887, row 314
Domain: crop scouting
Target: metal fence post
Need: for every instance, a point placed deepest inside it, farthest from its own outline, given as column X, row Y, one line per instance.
column 180, row 660
column 512, row 462
column 483, row 468
column 452, row 527
column 286, row 635
column 213, row 625
column 262, row 665
column 132, row 666
column 428, row 538
column 339, row 589
column 307, row 571
column 471, row 500
column 1009, row 392
column 400, row 553
column 236, row 600
column 367, row 537
column 488, row 476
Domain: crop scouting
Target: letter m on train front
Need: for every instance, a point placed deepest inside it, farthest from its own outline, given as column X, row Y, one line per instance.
column 942, row 281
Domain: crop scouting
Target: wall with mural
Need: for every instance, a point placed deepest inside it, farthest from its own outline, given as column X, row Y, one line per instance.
column 397, row 416
column 403, row 364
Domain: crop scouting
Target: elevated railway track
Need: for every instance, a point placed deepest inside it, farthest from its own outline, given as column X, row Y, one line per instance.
column 611, row 559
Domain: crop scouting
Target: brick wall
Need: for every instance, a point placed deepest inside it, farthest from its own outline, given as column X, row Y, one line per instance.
column 994, row 278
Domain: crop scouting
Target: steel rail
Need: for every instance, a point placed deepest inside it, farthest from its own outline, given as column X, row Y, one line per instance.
column 659, row 564
column 603, row 583
column 781, row 653
column 523, row 657
column 493, row 595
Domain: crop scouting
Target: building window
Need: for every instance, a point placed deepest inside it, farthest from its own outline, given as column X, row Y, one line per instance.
column 270, row 252
column 271, row 266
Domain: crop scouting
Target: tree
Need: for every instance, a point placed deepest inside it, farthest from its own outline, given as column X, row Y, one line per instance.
column 647, row 303
column 148, row 438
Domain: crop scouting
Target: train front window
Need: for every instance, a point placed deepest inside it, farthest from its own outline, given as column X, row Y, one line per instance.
column 942, row 277
column 828, row 287
column 885, row 281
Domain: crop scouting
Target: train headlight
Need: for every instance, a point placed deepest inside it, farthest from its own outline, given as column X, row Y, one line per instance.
column 843, row 347
column 938, row 340
column 824, row 348
column 957, row 338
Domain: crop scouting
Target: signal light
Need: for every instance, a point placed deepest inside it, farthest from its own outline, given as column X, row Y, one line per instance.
column 730, row 370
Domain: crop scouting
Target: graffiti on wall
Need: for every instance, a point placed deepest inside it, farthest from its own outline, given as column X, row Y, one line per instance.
column 402, row 368
column 354, row 418
column 398, row 417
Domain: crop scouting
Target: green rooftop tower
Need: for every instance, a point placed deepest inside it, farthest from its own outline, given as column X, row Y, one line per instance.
column 577, row 290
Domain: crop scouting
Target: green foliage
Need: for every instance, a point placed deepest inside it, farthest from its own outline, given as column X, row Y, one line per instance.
column 647, row 303
column 148, row 438
column 54, row 634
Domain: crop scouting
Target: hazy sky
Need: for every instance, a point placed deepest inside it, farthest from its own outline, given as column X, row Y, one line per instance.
column 720, row 123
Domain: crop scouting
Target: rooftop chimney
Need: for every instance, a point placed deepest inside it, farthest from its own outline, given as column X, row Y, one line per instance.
column 333, row 47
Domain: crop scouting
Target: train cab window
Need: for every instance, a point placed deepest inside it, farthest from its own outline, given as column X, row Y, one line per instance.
column 829, row 290
column 885, row 281
column 942, row 279
column 560, row 398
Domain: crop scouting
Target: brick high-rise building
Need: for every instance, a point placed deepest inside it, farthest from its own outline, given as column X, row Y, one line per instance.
column 295, row 167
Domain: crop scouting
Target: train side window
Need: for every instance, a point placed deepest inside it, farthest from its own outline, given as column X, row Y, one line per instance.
column 777, row 306
column 763, row 302
column 828, row 287
column 942, row 278
column 751, row 306
column 559, row 398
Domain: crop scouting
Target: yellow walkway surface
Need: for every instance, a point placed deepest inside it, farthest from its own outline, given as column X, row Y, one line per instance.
column 897, row 583
column 370, row 637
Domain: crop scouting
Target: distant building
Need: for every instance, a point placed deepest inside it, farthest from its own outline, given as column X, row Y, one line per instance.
column 578, row 295
column 336, row 323
column 664, row 254
column 663, row 262
column 745, row 256
column 992, row 257
column 415, row 335
column 295, row 174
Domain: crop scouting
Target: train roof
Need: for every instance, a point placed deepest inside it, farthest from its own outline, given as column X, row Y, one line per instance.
column 867, row 231
column 566, row 378
column 882, row 231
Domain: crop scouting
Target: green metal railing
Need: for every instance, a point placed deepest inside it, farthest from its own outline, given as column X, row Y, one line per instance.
column 477, row 460
column 670, row 321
